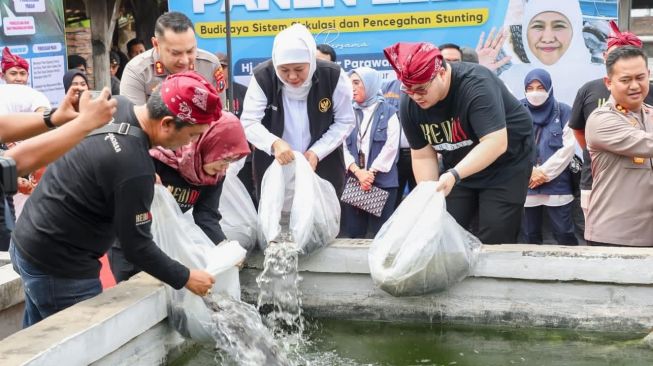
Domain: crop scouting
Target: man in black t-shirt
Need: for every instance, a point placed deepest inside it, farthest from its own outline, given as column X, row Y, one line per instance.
column 593, row 95
column 103, row 189
column 484, row 134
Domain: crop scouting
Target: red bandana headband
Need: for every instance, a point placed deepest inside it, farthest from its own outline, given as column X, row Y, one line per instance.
column 191, row 98
column 414, row 63
column 10, row 60
column 620, row 39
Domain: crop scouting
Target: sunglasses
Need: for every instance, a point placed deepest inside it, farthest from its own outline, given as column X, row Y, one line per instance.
column 422, row 90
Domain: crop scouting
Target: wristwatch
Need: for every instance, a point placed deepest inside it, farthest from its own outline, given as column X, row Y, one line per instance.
column 455, row 174
column 47, row 118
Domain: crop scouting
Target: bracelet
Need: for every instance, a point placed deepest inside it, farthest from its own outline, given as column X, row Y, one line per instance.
column 455, row 174
column 47, row 118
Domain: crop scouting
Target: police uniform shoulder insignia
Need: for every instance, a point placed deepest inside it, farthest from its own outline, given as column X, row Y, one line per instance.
column 218, row 75
column 324, row 105
column 158, row 68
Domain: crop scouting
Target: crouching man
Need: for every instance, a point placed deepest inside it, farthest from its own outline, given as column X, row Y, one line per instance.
column 103, row 189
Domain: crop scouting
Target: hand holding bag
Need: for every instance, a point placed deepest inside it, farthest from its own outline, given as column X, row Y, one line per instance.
column 371, row 201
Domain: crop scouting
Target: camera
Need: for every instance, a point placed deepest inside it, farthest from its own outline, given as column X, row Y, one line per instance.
column 8, row 175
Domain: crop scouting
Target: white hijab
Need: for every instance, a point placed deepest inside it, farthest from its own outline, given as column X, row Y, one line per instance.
column 295, row 44
column 572, row 70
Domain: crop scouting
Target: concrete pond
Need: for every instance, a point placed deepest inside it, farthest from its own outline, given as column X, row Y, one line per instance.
column 515, row 286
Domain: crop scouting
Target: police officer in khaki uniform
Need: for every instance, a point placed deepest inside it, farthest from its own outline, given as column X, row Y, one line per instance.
column 619, row 138
column 175, row 50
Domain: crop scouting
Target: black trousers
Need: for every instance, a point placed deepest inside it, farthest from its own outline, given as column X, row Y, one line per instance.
column 560, row 218
column 405, row 172
column 499, row 208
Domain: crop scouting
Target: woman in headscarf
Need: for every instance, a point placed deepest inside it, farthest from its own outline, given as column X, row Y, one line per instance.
column 550, row 186
column 192, row 174
column 76, row 78
column 371, row 150
column 552, row 36
column 295, row 102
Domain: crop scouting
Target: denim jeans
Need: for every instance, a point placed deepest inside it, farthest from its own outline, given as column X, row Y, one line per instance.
column 46, row 294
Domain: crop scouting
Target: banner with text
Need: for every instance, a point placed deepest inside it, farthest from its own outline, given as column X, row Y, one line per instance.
column 34, row 30
column 359, row 29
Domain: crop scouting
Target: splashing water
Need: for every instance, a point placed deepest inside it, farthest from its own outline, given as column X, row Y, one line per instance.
column 279, row 297
column 241, row 334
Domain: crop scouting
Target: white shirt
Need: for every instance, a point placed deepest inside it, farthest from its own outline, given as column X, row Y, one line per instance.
column 403, row 141
column 552, row 168
column 386, row 158
column 296, row 130
column 15, row 98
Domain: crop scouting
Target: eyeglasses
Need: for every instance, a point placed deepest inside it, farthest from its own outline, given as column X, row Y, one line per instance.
column 422, row 90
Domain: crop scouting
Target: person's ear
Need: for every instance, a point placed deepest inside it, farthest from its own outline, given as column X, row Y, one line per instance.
column 607, row 82
column 167, row 123
column 155, row 43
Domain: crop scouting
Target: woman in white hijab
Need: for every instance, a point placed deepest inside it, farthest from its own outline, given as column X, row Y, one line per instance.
column 297, row 103
column 552, row 35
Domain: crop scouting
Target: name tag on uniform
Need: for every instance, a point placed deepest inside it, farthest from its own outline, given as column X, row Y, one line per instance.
column 637, row 160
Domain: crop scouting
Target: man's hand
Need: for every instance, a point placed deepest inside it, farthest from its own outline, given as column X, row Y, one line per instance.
column 489, row 50
column 199, row 282
column 282, row 152
column 97, row 112
column 312, row 159
column 537, row 178
column 445, row 183
column 69, row 107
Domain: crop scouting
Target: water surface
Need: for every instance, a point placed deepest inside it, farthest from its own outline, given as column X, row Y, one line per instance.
column 337, row 342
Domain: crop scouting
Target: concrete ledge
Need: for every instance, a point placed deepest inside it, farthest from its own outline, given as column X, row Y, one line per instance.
column 592, row 288
column 4, row 258
column 90, row 330
column 606, row 289
column 483, row 301
column 516, row 261
column 11, row 287
column 11, row 301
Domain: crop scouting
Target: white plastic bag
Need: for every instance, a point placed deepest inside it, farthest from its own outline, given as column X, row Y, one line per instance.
column 421, row 248
column 185, row 242
column 311, row 201
column 239, row 221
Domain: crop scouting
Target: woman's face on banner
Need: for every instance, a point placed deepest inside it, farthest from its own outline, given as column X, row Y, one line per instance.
column 549, row 36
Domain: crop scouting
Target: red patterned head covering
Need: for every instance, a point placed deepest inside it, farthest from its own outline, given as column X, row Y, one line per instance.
column 414, row 63
column 191, row 98
column 10, row 60
column 620, row 39
column 225, row 139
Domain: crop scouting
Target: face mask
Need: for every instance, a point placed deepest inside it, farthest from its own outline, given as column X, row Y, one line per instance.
column 537, row 98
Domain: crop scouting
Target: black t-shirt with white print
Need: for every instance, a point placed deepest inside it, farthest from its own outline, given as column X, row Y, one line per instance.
column 204, row 200
column 99, row 191
column 589, row 97
column 478, row 103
